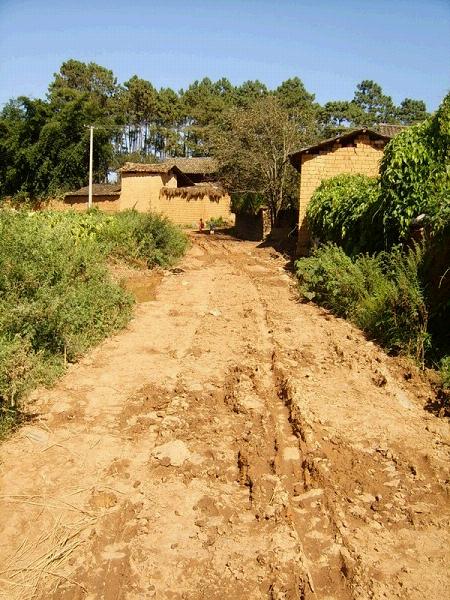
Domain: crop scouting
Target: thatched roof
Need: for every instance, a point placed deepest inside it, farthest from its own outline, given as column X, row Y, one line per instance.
column 214, row 192
column 199, row 165
column 156, row 169
column 382, row 133
column 98, row 189
column 146, row 168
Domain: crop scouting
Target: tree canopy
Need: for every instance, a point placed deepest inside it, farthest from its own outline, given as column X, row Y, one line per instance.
column 44, row 142
column 252, row 147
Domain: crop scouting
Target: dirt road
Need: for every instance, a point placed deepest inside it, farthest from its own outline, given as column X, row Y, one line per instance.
column 231, row 443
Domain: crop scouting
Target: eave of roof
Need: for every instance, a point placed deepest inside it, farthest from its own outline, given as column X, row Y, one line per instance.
column 338, row 138
column 98, row 189
column 151, row 168
column 197, row 165
column 195, row 191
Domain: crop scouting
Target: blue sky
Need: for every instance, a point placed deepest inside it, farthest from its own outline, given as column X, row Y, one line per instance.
column 330, row 44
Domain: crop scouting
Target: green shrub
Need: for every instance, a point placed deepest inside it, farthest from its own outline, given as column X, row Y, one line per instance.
column 331, row 279
column 343, row 210
column 216, row 222
column 414, row 173
column 56, row 297
column 381, row 294
column 445, row 372
column 149, row 237
column 21, row 369
column 54, row 285
column 439, row 222
column 393, row 311
column 128, row 235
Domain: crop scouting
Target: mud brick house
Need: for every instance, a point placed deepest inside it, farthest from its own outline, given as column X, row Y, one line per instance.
column 142, row 184
column 182, row 189
column 358, row 151
column 104, row 196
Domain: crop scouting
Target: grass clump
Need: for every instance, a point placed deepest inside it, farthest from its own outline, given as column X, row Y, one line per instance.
column 445, row 372
column 216, row 223
column 148, row 237
column 381, row 294
column 129, row 235
column 56, row 297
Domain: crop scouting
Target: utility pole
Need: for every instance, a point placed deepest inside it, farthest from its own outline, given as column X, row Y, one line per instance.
column 91, row 157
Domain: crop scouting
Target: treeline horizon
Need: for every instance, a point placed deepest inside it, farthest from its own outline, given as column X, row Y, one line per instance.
column 44, row 142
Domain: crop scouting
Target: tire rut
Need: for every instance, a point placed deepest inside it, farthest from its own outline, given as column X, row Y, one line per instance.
column 276, row 465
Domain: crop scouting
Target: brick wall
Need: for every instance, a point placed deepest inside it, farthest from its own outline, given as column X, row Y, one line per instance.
column 363, row 156
column 145, row 192
column 185, row 210
column 253, row 227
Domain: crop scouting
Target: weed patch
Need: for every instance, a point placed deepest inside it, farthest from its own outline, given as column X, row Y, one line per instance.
column 56, row 297
column 381, row 294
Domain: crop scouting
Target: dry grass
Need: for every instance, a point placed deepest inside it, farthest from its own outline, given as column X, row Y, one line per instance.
column 194, row 191
column 37, row 569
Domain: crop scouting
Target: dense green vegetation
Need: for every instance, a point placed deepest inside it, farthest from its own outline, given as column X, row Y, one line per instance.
column 56, row 296
column 364, row 214
column 343, row 210
column 445, row 372
column 44, row 142
column 382, row 294
column 399, row 290
column 414, row 174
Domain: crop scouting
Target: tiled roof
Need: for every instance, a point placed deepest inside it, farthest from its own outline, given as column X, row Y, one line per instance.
column 146, row 167
column 98, row 189
column 199, row 165
column 390, row 130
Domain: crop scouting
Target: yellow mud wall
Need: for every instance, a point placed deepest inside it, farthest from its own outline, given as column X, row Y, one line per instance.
column 168, row 180
column 140, row 191
column 109, row 204
column 188, row 211
column 362, row 158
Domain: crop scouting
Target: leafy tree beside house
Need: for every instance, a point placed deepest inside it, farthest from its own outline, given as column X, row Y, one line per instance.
column 252, row 147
